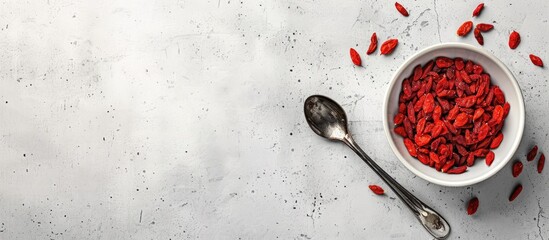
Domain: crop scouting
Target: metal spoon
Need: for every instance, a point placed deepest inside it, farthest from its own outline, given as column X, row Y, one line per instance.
column 328, row 120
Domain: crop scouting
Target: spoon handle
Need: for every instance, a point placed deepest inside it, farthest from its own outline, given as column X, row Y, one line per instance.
column 430, row 219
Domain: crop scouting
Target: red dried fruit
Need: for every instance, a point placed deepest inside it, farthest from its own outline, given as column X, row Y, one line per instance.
column 388, row 46
column 420, row 125
column 448, row 165
column 457, row 170
column 499, row 96
column 497, row 114
column 517, row 168
column 399, row 118
column 401, row 9
column 376, row 189
column 465, row 28
column 418, row 72
column 373, row 44
column 532, row 154
column 478, row 9
column 490, row 158
column 478, row 36
column 408, row 127
column 434, row 157
column 411, row 147
column 497, row 141
column 355, row 57
column 422, row 140
column 461, row 120
column 473, row 206
column 506, row 108
column 478, row 113
column 429, row 103
column 444, row 62
column 536, row 60
column 400, row 131
column 541, row 163
column 484, row 27
column 515, row 193
column 514, row 40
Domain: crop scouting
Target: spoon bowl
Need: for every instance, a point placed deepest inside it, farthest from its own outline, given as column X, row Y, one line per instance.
column 325, row 117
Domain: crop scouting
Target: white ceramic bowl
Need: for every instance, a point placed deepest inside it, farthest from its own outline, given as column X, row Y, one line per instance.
column 512, row 130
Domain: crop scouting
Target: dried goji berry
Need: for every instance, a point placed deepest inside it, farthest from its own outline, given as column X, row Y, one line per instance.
column 517, row 168
column 399, row 118
column 490, row 158
column 506, row 108
column 355, row 57
column 515, row 193
column 532, row 154
column 422, row 140
column 376, row 189
column 536, row 60
column 472, row 206
column 541, row 163
column 477, row 11
column 434, row 157
column 497, row 141
column 373, row 44
column 388, row 46
column 423, row 159
column 484, row 27
column 465, row 28
column 457, row 170
column 514, row 40
column 478, row 36
column 497, row 114
column 418, row 72
column 408, row 127
column 420, row 125
column 411, row 147
column 444, row 62
column 478, row 113
column 461, row 120
column 401, row 9
column 429, row 103
column 447, row 165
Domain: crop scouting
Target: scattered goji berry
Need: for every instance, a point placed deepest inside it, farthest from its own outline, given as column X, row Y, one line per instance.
column 478, row 10
column 478, row 36
column 536, row 60
column 376, row 189
column 473, row 206
column 484, row 27
column 401, row 9
column 388, row 46
column 532, row 154
column 517, row 168
column 465, row 28
column 515, row 193
column 373, row 44
column 355, row 57
column 514, row 40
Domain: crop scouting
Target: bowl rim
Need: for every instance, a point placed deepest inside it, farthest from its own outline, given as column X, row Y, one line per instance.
column 387, row 128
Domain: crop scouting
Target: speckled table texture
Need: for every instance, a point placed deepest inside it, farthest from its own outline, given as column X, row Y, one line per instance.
column 183, row 120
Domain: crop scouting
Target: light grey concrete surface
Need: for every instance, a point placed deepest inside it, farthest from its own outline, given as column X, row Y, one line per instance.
column 181, row 119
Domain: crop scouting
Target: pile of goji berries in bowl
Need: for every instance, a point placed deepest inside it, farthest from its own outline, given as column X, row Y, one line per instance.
column 454, row 114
